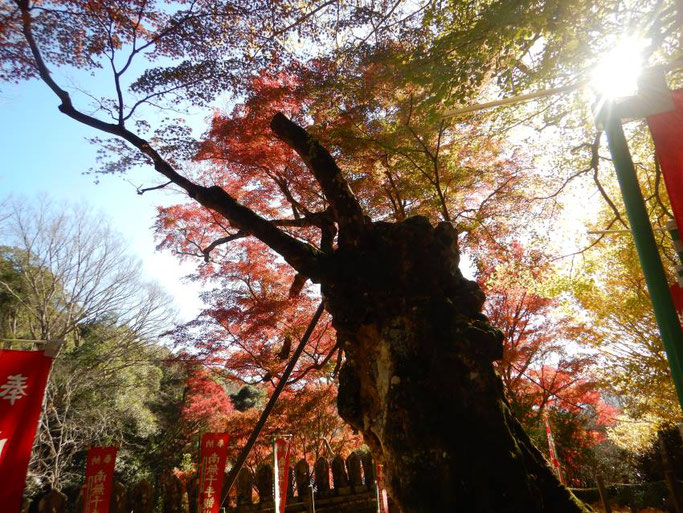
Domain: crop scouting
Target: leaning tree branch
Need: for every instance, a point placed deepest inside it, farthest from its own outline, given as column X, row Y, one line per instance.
column 301, row 256
column 345, row 206
column 607, row 199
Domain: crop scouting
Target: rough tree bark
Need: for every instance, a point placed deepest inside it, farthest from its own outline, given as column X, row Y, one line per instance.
column 419, row 382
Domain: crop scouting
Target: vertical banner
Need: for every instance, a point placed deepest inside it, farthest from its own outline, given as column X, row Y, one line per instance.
column 554, row 461
column 677, row 296
column 677, row 288
column 213, row 453
column 23, row 377
column 666, row 129
column 282, row 445
column 99, row 479
column 382, row 497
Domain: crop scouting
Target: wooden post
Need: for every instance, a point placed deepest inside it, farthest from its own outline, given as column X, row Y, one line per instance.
column 310, row 487
column 321, row 473
column 264, row 483
column 302, row 476
column 339, row 476
column 669, row 476
column 354, row 471
column 173, row 494
column 604, row 498
column 142, row 497
column 245, row 485
column 118, row 503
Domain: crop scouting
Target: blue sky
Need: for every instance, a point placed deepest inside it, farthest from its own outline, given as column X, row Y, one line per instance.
column 44, row 152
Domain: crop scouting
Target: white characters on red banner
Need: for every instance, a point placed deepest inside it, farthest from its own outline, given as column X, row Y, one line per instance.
column 382, row 497
column 210, row 475
column 99, row 475
column 282, row 446
column 23, row 376
column 97, row 489
column 212, row 471
column 14, row 389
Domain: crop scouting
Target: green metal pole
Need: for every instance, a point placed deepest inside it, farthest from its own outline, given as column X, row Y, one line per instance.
column 650, row 261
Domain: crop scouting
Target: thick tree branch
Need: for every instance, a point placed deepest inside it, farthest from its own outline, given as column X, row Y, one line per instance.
column 301, row 256
column 345, row 206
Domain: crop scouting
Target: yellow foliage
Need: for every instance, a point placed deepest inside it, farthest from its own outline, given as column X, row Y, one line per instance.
column 634, row 435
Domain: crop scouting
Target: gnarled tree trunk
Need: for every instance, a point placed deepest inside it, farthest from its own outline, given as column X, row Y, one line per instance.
column 419, row 382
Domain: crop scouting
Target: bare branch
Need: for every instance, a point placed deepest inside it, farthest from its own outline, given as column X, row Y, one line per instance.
column 592, row 244
column 155, row 188
column 223, row 240
column 607, row 199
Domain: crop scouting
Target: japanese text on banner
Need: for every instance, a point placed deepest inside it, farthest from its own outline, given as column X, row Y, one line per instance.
column 23, row 377
column 99, row 478
column 213, row 454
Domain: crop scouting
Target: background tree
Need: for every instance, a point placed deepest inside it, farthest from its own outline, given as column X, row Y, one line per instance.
column 67, row 276
column 609, row 286
column 67, row 268
column 546, row 368
column 309, row 414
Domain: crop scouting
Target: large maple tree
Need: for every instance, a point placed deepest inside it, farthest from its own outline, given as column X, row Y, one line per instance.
column 408, row 324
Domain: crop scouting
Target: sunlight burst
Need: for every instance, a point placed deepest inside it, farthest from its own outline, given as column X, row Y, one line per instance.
column 616, row 75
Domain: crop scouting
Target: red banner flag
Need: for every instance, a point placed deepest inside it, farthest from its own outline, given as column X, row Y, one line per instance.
column 213, row 453
column 281, row 449
column 99, row 478
column 23, row 376
column 382, row 497
column 666, row 129
column 677, row 296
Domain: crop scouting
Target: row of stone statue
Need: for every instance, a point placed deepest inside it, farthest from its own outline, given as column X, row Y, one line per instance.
column 354, row 475
column 350, row 489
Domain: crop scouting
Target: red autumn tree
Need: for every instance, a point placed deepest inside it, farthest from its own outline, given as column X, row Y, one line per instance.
column 309, row 414
column 260, row 306
column 206, row 405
